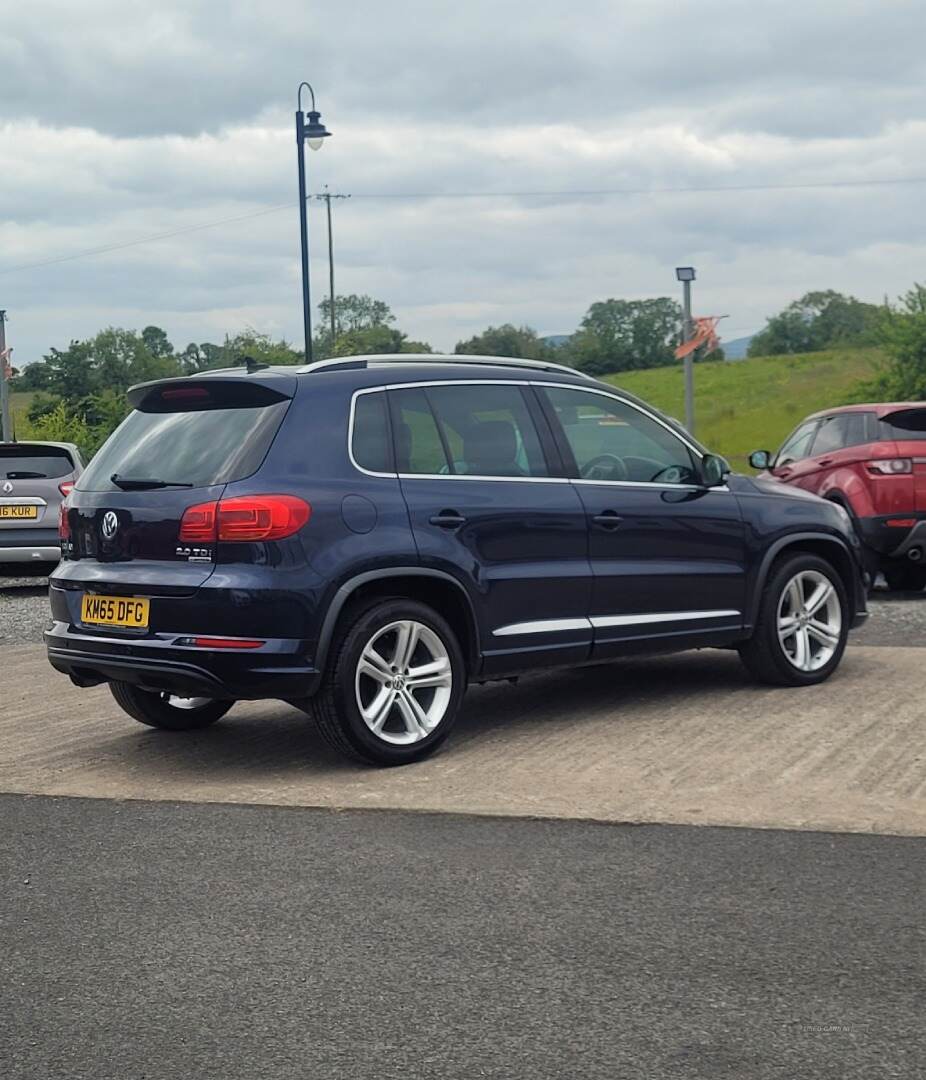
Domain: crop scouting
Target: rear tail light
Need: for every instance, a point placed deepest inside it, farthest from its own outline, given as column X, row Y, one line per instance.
column 64, row 525
column 197, row 526
column 901, row 523
column 245, row 518
column 66, row 487
column 890, row 466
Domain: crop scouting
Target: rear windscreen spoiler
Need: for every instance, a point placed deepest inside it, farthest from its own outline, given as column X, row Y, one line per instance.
column 194, row 393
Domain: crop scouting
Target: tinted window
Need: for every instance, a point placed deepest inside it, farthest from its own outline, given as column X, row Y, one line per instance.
column 839, row 432
column 612, row 440
column 488, row 430
column 370, row 445
column 798, row 445
column 904, row 425
column 29, row 463
column 418, row 446
column 200, row 447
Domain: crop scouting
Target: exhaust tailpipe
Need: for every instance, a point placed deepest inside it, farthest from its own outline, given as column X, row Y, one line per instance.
column 915, row 554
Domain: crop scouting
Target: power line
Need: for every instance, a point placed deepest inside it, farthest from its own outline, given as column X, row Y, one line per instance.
column 564, row 194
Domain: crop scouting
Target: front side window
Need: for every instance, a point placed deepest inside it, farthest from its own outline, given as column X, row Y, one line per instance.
column 612, row 440
column 797, row 446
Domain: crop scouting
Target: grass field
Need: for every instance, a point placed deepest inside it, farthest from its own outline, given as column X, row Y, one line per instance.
column 747, row 405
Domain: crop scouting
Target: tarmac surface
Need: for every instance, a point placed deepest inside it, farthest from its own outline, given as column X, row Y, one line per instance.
column 166, row 941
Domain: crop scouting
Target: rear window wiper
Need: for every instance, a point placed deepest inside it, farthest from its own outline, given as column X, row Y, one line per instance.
column 141, row 483
column 26, row 476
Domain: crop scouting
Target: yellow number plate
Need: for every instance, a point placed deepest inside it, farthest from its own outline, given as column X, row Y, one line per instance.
column 114, row 611
column 18, row 513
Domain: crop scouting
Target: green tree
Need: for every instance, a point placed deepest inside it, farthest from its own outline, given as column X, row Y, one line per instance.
column 902, row 333
column 624, row 335
column 818, row 320
column 32, row 376
column 506, row 340
column 377, row 339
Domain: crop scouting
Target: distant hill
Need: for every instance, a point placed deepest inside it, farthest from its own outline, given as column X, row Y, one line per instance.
column 754, row 404
column 556, row 340
column 737, row 348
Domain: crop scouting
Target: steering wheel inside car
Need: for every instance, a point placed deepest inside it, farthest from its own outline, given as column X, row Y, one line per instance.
column 604, row 467
column 672, row 474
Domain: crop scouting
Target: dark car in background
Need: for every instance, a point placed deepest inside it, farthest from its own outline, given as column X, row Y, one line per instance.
column 871, row 460
column 364, row 536
column 35, row 478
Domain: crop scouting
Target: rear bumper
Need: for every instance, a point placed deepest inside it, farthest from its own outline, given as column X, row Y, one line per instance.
column 890, row 540
column 25, row 545
column 279, row 669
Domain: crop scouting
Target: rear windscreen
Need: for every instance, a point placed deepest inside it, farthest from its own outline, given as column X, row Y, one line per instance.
column 199, row 447
column 905, row 425
column 31, row 463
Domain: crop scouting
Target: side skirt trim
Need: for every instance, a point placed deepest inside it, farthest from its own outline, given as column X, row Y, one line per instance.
column 599, row 622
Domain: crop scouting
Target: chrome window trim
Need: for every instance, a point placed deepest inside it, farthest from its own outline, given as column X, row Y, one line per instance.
column 600, row 622
column 523, row 479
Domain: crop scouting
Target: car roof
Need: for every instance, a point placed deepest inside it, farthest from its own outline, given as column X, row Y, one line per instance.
column 880, row 409
column 70, row 447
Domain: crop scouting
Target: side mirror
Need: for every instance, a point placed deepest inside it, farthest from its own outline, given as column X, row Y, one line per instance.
column 760, row 459
column 714, row 470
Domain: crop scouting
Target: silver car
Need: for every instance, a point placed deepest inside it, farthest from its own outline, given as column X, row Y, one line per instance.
column 35, row 478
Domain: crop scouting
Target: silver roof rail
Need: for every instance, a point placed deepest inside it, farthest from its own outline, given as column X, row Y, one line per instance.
column 383, row 359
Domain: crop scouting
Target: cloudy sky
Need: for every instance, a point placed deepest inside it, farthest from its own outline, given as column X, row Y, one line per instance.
column 124, row 120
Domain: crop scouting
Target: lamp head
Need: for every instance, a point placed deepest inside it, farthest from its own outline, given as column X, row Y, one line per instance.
column 314, row 130
column 685, row 273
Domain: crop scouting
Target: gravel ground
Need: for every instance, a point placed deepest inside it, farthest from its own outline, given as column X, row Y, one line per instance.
column 896, row 618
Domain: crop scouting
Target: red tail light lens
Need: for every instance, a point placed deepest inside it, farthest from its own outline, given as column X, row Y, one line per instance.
column 64, row 526
column 244, row 518
column 66, row 487
column 197, row 526
column 900, row 523
column 890, row 466
column 261, row 517
column 221, row 643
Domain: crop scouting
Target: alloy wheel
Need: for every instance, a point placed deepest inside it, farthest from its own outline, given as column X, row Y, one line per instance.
column 809, row 620
column 404, row 682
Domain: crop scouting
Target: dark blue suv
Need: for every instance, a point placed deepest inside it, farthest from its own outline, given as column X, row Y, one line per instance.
column 362, row 537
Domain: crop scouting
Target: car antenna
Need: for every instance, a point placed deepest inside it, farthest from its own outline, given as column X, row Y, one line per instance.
column 251, row 364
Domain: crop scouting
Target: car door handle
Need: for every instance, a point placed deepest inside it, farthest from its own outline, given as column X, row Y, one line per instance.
column 825, row 461
column 447, row 519
column 608, row 519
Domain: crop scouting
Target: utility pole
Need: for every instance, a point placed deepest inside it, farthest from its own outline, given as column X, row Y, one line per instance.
column 6, row 426
column 328, row 196
column 686, row 275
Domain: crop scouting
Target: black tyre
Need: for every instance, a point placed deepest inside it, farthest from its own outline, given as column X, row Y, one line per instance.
column 802, row 624
column 168, row 711
column 394, row 684
column 905, row 577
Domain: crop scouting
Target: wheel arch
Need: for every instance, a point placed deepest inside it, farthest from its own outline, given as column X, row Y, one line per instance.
column 436, row 588
column 825, row 545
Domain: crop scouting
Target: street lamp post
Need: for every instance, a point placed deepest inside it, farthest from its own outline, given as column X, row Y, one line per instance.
column 309, row 129
column 686, row 275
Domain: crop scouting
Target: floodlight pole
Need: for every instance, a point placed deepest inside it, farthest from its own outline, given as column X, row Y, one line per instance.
column 6, row 426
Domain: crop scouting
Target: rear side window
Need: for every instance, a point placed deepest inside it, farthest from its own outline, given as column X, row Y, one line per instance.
column 195, row 446
column 839, row 432
column 34, row 463
column 488, row 430
column 418, row 444
column 905, row 425
column 370, row 433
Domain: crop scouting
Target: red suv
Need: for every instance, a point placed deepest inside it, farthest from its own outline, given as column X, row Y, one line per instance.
column 871, row 459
